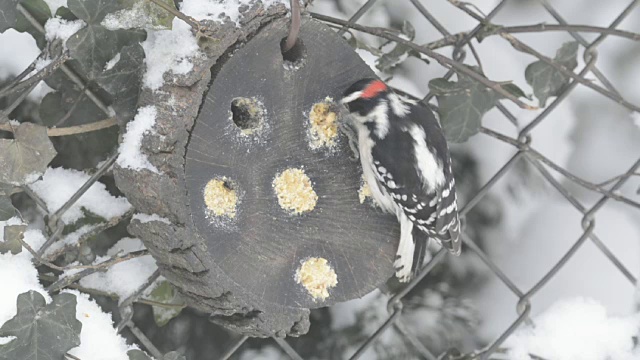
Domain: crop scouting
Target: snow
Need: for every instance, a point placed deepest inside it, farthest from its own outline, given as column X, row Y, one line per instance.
column 18, row 273
column 171, row 51
column 70, row 239
column 55, row 4
column 145, row 218
column 216, row 10
column 58, row 28
column 168, row 51
column 111, row 63
column 136, row 17
column 576, row 329
column 99, row 339
column 59, row 184
column 23, row 51
column 131, row 156
column 635, row 116
column 123, row 278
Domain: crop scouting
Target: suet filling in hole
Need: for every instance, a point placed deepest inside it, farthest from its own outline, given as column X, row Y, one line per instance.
column 317, row 277
column 365, row 191
column 247, row 114
column 295, row 191
column 294, row 57
column 324, row 124
column 220, row 198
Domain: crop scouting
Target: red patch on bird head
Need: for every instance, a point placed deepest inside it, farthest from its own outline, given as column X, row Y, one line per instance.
column 373, row 89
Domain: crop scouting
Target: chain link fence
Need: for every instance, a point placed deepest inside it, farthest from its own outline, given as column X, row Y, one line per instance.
column 525, row 153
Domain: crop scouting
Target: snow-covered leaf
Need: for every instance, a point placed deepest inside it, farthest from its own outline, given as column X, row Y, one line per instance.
column 136, row 354
column 461, row 106
column 123, row 81
column 167, row 294
column 144, row 14
column 12, row 236
column 8, row 14
column 25, row 158
column 546, row 80
column 42, row 331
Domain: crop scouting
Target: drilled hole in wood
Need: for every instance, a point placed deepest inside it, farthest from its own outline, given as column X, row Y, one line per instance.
column 247, row 114
column 294, row 57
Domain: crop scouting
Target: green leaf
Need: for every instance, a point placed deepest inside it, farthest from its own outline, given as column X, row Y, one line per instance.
column 461, row 106
column 8, row 14
column 174, row 355
column 167, row 294
column 93, row 46
column 136, row 354
column 93, row 11
column 124, row 80
column 7, row 211
column 40, row 12
column 66, row 14
column 26, row 157
column 12, row 236
column 514, row 90
column 42, row 331
column 546, row 80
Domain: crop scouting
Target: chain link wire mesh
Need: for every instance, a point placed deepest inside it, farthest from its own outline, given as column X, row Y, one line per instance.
column 525, row 152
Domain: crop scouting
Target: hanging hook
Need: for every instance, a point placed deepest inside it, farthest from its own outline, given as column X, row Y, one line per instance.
column 294, row 28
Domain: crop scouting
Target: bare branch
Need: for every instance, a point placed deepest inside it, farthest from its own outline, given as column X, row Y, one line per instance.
column 578, row 180
column 73, row 130
column 443, row 60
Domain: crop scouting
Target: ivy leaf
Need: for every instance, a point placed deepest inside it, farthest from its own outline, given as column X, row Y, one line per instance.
column 461, row 106
column 547, row 81
column 7, row 211
column 136, row 354
column 8, row 14
column 26, row 157
column 164, row 292
column 93, row 11
column 123, row 81
column 93, row 46
column 40, row 12
column 514, row 90
column 12, row 236
column 42, row 331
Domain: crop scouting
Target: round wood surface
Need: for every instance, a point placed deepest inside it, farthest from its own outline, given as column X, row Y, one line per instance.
column 263, row 245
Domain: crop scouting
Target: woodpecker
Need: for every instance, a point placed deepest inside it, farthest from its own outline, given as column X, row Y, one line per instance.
column 406, row 163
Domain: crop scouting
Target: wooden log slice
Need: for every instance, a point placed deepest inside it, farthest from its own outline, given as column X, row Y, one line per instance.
column 272, row 188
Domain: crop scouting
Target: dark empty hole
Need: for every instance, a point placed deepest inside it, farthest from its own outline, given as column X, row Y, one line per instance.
column 296, row 54
column 247, row 114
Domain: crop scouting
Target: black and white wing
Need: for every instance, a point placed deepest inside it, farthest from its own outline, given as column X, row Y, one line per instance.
column 422, row 185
